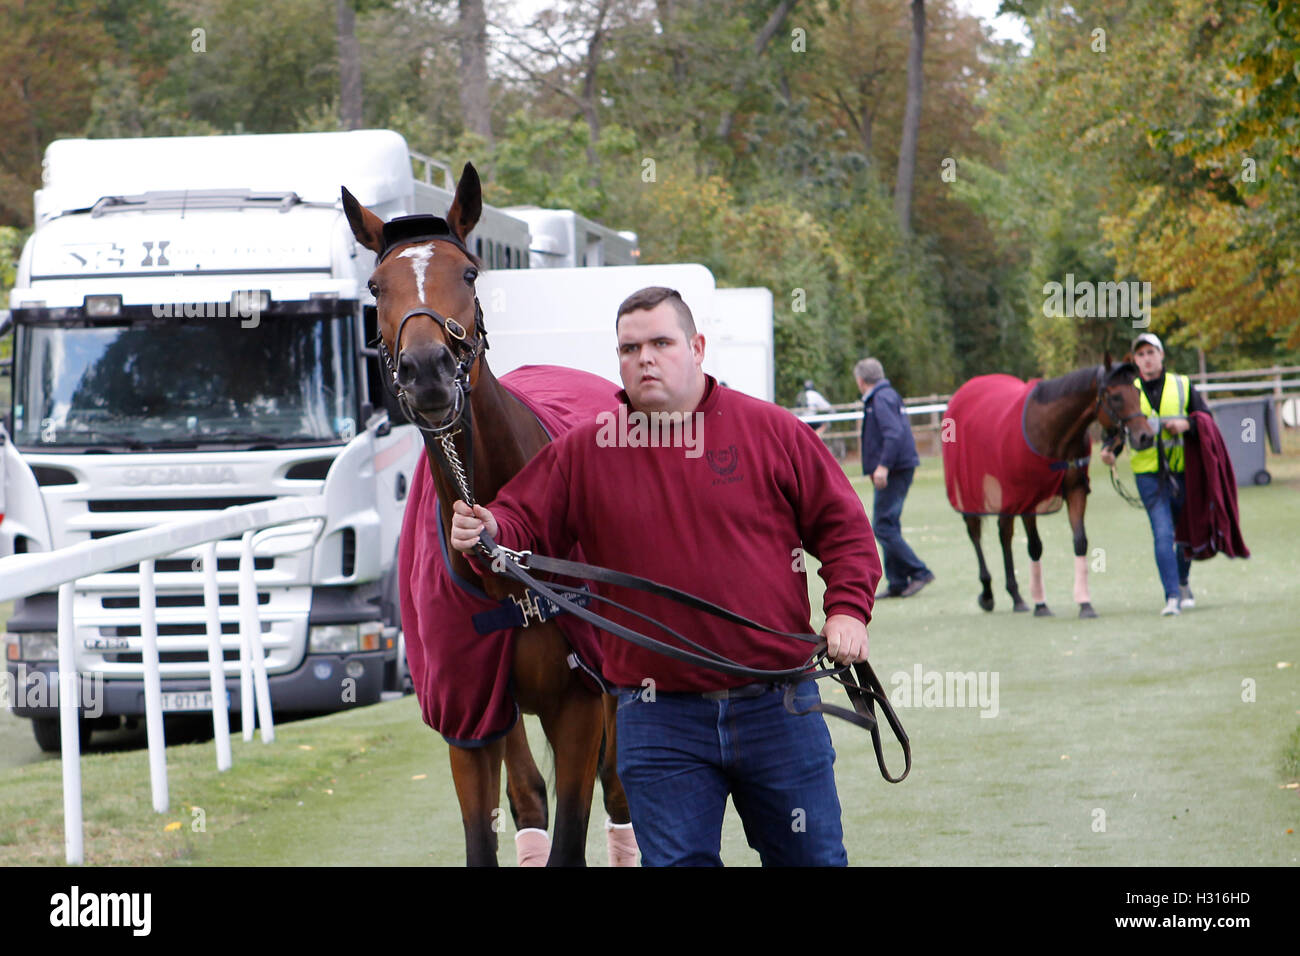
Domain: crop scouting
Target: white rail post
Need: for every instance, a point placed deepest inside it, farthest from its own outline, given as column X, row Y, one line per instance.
column 216, row 659
column 69, row 718
column 248, row 622
column 257, row 651
column 153, row 715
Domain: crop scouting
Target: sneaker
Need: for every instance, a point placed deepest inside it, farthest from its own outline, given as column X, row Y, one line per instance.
column 916, row 584
column 1170, row 608
column 889, row 592
column 1185, row 597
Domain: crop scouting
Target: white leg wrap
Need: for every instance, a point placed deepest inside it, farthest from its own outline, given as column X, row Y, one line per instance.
column 1081, row 580
column 621, row 842
column 532, row 847
column 1036, row 583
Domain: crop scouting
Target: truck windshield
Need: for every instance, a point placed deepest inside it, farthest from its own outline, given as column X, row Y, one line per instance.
column 141, row 384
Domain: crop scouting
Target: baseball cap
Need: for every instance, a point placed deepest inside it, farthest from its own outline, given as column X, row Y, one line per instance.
column 1148, row 338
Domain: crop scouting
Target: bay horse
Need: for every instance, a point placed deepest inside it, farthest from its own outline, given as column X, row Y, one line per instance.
column 478, row 435
column 1014, row 448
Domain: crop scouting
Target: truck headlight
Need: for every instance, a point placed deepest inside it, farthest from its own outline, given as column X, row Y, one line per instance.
column 345, row 638
column 39, row 646
column 334, row 639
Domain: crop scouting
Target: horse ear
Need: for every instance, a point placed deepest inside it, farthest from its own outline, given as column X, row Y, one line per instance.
column 1106, row 359
column 468, row 204
column 366, row 226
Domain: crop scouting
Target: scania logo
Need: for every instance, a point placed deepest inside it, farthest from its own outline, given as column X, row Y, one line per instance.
column 187, row 475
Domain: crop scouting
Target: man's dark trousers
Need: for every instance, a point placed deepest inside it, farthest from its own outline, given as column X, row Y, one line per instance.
column 901, row 562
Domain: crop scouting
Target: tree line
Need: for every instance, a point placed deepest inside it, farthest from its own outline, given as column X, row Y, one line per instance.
column 906, row 186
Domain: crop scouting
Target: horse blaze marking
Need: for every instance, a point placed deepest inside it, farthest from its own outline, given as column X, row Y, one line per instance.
column 419, row 256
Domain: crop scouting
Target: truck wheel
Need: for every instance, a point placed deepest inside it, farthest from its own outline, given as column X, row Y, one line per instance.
column 50, row 738
column 1262, row 477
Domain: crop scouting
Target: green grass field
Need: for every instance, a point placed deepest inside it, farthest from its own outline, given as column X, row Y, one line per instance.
column 1129, row 740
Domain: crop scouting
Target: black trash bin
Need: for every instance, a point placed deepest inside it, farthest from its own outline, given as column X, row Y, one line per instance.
column 1246, row 424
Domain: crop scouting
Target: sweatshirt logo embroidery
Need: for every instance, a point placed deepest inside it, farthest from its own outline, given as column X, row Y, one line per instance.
column 724, row 460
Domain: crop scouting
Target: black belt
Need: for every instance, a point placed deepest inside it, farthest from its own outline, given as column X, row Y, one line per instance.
column 743, row 692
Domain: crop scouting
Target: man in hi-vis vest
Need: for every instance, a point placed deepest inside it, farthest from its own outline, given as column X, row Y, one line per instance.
column 1167, row 400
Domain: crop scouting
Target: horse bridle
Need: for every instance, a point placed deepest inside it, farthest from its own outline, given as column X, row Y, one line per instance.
column 1112, row 439
column 1120, row 427
column 468, row 353
column 407, row 230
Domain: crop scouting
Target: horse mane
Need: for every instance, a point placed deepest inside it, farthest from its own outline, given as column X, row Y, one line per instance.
column 1071, row 383
column 1082, row 380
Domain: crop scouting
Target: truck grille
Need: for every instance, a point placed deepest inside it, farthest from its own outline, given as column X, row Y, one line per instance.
column 172, row 504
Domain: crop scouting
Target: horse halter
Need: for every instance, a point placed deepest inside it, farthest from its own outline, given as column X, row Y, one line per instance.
column 1120, row 427
column 468, row 353
column 406, row 230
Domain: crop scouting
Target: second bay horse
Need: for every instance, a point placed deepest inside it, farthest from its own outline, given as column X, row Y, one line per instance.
column 1014, row 448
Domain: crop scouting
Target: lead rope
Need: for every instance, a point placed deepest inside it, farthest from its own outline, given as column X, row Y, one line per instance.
column 1123, row 492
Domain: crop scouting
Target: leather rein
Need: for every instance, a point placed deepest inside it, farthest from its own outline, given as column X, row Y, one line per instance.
column 1112, row 440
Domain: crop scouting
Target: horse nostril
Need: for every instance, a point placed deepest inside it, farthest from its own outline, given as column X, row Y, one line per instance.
column 406, row 369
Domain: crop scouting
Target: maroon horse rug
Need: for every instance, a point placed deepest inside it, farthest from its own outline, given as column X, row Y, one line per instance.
column 989, row 467
column 460, row 641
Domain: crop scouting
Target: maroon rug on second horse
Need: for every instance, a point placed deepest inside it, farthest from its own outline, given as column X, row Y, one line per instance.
column 988, row 466
column 461, row 677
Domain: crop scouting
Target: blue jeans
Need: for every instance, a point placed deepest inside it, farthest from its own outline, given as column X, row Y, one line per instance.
column 901, row 562
column 1163, row 508
column 679, row 755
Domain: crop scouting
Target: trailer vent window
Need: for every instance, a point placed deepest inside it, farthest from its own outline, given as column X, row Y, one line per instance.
column 190, row 565
column 172, row 630
column 45, row 475
column 173, row 504
column 349, row 552
column 181, row 600
column 169, row 657
column 314, row 470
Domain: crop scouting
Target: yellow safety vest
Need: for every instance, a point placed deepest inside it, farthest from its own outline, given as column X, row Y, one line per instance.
column 1173, row 404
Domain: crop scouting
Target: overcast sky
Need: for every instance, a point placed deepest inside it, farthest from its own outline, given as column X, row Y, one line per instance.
column 1004, row 28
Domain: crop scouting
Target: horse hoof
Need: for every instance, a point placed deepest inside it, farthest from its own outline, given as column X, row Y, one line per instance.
column 621, row 843
column 1020, row 607
column 985, row 602
column 1085, row 610
column 1042, row 610
column 532, row 847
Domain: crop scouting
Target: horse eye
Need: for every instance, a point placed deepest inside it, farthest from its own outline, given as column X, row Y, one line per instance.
column 470, row 275
column 374, row 289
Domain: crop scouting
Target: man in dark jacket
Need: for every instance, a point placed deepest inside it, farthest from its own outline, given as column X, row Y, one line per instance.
column 889, row 457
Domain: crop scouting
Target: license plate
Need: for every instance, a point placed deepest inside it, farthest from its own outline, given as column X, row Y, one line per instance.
column 186, row 700
column 107, row 643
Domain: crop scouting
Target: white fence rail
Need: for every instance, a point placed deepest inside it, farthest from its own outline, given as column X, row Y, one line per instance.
column 1265, row 383
column 276, row 527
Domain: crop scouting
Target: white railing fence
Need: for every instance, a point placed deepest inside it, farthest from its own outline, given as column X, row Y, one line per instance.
column 1263, row 380
column 271, row 528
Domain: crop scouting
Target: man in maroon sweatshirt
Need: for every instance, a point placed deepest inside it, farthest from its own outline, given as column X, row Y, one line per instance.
column 721, row 495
